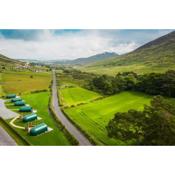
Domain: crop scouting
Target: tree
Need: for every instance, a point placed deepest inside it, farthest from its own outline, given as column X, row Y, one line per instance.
column 153, row 126
column 127, row 127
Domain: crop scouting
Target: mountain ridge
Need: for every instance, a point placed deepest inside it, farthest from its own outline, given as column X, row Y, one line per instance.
column 156, row 54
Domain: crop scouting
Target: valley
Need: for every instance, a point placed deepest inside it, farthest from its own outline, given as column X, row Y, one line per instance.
column 103, row 99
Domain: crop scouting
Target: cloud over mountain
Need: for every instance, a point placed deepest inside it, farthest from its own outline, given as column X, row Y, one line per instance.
column 70, row 44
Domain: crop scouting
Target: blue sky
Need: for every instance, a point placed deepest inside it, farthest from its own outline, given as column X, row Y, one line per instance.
column 72, row 43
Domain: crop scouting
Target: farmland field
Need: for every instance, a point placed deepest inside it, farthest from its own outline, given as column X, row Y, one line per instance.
column 67, row 80
column 23, row 82
column 94, row 117
column 39, row 101
column 113, row 70
column 76, row 95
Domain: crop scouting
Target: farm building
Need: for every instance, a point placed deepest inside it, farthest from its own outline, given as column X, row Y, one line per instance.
column 30, row 117
column 11, row 96
column 38, row 129
column 19, row 103
column 15, row 99
column 25, row 109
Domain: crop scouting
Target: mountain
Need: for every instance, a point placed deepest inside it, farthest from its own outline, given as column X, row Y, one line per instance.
column 4, row 59
column 6, row 62
column 86, row 60
column 155, row 56
column 94, row 58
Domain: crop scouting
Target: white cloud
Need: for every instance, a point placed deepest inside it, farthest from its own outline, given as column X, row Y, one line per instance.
column 68, row 45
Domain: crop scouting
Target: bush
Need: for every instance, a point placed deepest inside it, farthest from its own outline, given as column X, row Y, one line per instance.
column 38, row 91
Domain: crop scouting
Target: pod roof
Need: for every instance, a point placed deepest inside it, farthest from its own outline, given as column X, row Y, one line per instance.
column 11, row 96
column 25, row 109
column 30, row 117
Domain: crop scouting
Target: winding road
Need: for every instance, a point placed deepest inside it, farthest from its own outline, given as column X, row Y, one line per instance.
column 5, row 113
column 79, row 136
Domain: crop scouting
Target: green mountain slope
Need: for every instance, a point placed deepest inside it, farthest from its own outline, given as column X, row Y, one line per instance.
column 85, row 60
column 6, row 62
column 155, row 56
column 94, row 58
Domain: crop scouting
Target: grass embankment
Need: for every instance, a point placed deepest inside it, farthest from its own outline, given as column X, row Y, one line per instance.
column 24, row 82
column 76, row 95
column 93, row 117
column 40, row 102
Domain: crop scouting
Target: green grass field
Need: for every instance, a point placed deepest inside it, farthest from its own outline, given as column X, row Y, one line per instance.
column 114, row 69
column 67, row 80
column 39, row 101
column 24, row 82
column 76, row 95
column 94, row 117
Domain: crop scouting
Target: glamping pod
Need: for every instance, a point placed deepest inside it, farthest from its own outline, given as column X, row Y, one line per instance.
column 15, row 99
column 38, row 129
column 25, row 109
column 29, row 117
column 11, row 96
column 19, row 103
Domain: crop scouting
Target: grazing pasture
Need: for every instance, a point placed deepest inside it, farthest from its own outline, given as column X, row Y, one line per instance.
column 39, row 101
column 93, row 117
column 76, row 95
column 112, row 70
column 24, row 82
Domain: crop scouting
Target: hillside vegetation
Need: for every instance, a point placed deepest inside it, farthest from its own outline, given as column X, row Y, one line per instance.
column 8, row 63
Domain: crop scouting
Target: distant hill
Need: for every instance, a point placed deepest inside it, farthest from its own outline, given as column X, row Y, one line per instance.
column 94, row 58
column 4, row 59
column 6, row 62
column 85, row 60
column 155, row 56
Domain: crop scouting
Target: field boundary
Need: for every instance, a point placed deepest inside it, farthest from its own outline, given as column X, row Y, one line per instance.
column 8, row 127
column 69, row 136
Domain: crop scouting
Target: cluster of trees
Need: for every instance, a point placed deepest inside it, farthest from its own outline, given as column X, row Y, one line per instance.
column 153, row 83
column 110, row 85
column 77, row 74
column 153, row 126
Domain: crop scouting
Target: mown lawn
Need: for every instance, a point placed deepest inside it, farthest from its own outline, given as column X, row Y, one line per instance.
column 76, row 95
column 24, row 82
column 94, row 117
column 39, row 101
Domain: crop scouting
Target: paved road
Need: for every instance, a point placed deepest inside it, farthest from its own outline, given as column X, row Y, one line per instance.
column 69, row 126
column 5, row 139
column 5, row 112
